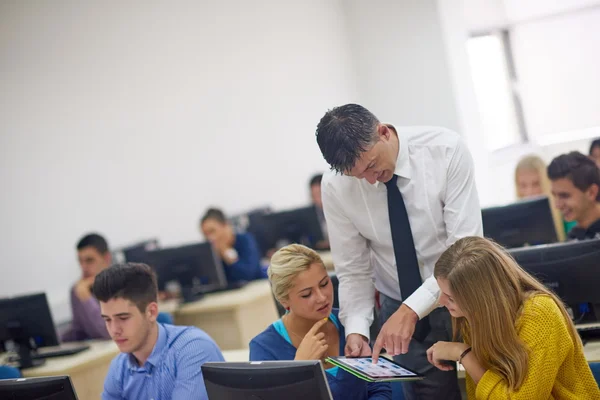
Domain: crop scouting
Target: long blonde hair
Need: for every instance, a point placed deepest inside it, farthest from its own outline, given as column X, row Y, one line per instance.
column 532, row 162
column 491, row 288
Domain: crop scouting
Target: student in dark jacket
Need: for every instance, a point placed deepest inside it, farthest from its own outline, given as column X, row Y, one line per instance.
column 239, row 251
column 310, row 329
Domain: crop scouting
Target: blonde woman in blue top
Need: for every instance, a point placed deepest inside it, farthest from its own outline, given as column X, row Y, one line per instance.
column 310, row 329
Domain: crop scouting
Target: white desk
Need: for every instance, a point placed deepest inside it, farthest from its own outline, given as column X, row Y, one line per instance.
column 239, row 355
column 234, row 317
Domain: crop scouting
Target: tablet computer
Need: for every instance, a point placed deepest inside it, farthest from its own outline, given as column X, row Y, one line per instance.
column 385, row 370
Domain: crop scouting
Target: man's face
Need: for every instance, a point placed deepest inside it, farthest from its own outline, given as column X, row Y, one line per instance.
column 127, row 326
column 315, row 194
column 572, row 202
column 92, row 262
column 379, row 162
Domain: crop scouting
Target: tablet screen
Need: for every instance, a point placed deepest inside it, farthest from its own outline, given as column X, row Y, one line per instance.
column 383, row 369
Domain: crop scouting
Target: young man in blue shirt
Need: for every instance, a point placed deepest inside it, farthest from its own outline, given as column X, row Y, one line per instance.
column 157, row 361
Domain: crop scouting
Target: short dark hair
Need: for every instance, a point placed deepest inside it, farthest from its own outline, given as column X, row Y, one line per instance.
column 595, row 143
column 316, row 180
column 576, row 167
column 344, row 133
column 214, row 213
column 93, row 240
column 131, row 281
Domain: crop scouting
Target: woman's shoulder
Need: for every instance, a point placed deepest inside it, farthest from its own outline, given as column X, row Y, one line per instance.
column 265, row 337
column 542, row 312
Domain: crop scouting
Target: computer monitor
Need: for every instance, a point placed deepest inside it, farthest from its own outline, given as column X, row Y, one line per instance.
column 571, row 269
column 26, row 321
column 136, row 252
column 55, row 388
column 196, row 267
column 301, row 225
column 266, row 380
column 528, row 222
column 253, row 222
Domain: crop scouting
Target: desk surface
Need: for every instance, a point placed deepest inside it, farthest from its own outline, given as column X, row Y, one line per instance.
column 99, row 352
column 228, row 299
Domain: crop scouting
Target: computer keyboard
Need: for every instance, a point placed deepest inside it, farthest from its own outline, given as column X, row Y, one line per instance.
column 589, row 331
column 54, row 351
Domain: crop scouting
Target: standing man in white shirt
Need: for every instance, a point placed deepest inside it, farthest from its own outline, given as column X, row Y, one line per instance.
column 395, row 200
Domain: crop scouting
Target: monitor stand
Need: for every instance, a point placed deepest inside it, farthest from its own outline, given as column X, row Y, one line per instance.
column 25, row 347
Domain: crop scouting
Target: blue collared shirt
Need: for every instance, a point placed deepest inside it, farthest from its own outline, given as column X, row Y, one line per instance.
column 171, row 372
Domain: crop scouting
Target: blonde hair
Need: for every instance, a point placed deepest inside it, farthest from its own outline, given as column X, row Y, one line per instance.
column 490, row 288
column 533, row 162
column 286, row 264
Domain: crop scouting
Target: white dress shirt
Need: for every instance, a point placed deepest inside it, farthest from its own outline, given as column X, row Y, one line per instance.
column 436, row 179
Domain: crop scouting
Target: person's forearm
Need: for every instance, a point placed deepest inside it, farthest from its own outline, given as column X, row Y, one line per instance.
column 473, row 367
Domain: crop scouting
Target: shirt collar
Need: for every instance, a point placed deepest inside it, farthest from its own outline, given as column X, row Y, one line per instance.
column 161, row 343
column 403, row 160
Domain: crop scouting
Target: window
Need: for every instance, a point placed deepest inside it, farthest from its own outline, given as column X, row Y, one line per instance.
column 494, row 82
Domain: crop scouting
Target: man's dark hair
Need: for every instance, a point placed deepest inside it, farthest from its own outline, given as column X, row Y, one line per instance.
column 595, row 143
column 132, row 281
column 214, row 213
column 316, row 180
column 93, row 240
column 344, row 133
column 576, row 167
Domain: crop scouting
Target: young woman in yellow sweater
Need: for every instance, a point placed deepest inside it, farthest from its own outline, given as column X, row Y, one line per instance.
column 519, row 341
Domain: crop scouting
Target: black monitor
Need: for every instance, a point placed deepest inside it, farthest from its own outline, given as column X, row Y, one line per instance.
column 253, row 222
column 55, row 388
column 136, row 252
column 301, row 225
column 571, row 269
column 26, row 321
column 528, row 222
column 266, row 380
column 196, row 267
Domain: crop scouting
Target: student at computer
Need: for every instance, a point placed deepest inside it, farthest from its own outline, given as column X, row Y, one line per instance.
column 310, row 329
column 94, row 257
column 157, row 361
column 315, row 195
column 531, row 180
column 519, row 341
column 576, row 190
column 595, row 151
column 239, row 251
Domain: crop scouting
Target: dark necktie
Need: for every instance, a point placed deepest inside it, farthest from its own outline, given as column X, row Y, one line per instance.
column 404, row 251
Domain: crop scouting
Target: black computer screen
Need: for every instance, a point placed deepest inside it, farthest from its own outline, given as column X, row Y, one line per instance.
column 55, row 388
column 527, row 222
column 194, row 266
column 266, row 380
column 29, row 316
column 571, row 269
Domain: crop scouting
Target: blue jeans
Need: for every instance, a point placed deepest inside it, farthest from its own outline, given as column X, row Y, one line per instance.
column 437, row 385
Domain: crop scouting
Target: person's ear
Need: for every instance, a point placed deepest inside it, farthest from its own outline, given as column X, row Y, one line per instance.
column 592, row 192
column 152, row 311
column 382, row 131
column 285, row 304
column 108, row 258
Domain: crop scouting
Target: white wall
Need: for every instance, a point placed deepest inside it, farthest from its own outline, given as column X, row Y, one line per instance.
column 131, row 118
column 401, row 62
column 558, row 80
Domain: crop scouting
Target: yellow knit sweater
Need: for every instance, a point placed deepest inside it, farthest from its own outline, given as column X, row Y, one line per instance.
column 557, row 368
